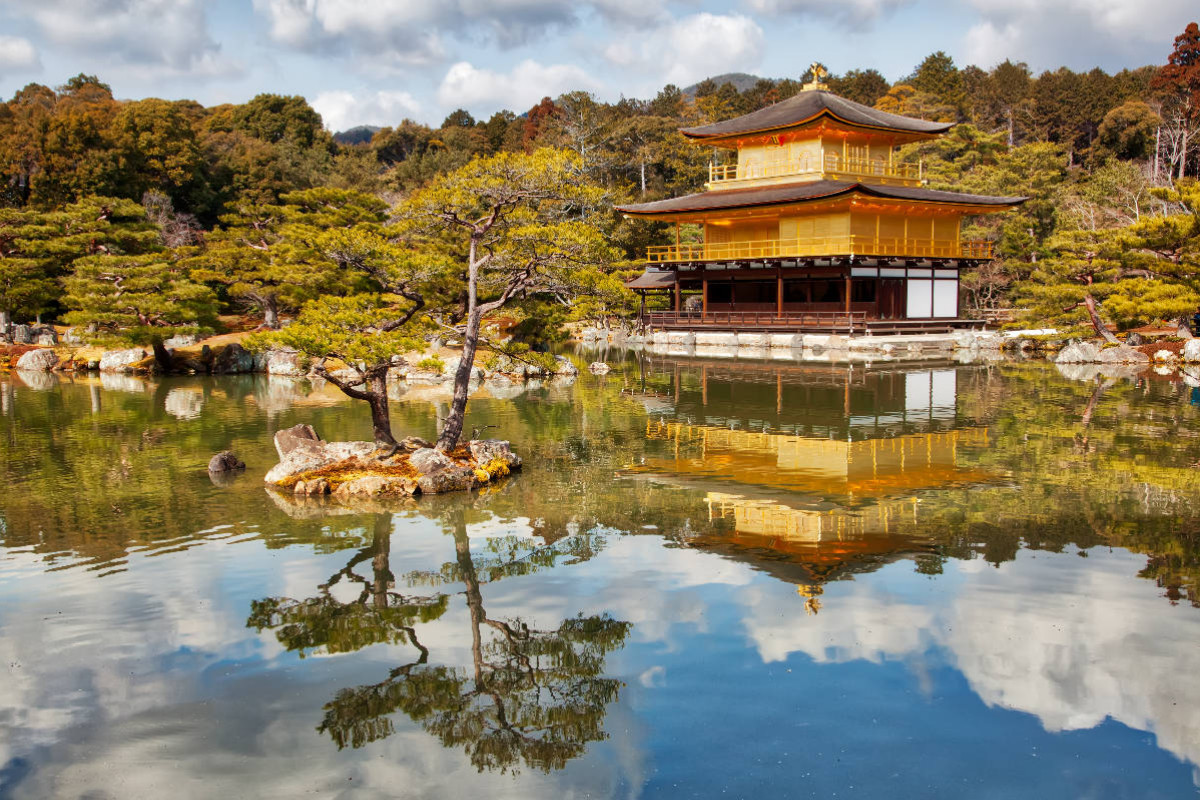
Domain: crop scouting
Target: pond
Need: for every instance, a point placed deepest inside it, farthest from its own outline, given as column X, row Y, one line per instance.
column 739, row 579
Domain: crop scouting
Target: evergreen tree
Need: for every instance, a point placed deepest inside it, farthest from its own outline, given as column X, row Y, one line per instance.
column 1076, row 280
column 142, row 298
column 366, row 333
column 518, row 221
column 25, row 258
column 269, row 256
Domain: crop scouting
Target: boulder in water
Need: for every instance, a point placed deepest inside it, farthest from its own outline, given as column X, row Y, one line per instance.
column 121, row 360
column 453, row 478
column 1078, row 353
column 494, row 451
column 225, row 461
column 309, row 456
column 286, row 440
column 233, row 359
column 41, row 360
column 376, row 486
column 1122, row 355
column 1164, row 356
column 599, row 368
column 286, row 363
column 428, row 460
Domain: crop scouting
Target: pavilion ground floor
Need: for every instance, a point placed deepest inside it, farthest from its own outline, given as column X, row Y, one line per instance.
column 895, row 297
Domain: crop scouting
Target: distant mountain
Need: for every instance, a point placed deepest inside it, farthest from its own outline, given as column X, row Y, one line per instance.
column 358, row 135
column 740, row 80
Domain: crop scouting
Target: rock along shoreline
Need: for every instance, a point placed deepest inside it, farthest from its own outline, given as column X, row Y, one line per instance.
column 352, row 471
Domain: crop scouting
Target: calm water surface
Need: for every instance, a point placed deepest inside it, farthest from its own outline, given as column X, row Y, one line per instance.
column 710, row 580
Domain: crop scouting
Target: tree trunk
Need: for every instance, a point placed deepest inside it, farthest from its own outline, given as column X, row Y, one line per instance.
column 381, row 417
column 452, row 429
column 1102, row 331
column 271, row 313
column 162, row 356
column 1183, row 157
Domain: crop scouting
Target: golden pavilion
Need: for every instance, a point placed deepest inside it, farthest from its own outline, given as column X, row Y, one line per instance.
column 817, row 226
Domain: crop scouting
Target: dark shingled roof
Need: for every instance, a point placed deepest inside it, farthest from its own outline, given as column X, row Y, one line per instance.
column 652, row 279
column 809, row 105
column 812, row 190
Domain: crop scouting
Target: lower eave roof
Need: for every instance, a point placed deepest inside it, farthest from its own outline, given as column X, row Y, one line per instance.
column 812, row 190
column 652, row 279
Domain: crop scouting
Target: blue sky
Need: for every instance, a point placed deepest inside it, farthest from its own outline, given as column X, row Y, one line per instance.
column 377, row 62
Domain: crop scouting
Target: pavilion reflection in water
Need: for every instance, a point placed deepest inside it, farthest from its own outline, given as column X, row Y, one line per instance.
column 847, row 495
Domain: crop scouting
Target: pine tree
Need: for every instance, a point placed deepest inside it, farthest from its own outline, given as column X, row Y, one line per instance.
column 516, row 222
column 38, row 247
column 369, row 333
column 269, row 256
column 26, row 288
column 142, row 298
column 1083, row 272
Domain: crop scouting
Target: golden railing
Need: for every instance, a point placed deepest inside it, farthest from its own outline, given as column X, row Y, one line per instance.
column 850, row 244
column 830, row 165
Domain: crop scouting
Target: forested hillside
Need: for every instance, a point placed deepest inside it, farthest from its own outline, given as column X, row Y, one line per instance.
column 1106, row 160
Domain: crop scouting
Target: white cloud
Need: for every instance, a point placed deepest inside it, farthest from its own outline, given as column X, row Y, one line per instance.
column 849, row 13
column 342, row 109
column 631, row 11
column 1077, row 33
column 479, row 89
column 169, row 34
column 17, row 54
column 708, row 44
column 408, row 31
column 690, row 49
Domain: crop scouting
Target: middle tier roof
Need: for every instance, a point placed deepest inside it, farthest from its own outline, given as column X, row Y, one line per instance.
column 800, row 192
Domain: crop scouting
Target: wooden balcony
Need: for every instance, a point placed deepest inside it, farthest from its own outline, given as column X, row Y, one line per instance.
column 830, row 166
column 848, row 245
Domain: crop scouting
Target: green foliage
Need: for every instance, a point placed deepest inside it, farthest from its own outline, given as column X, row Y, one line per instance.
column 26, row 288
column 273, row 257
column 431, row 364
column 354, row 330
column 140, row 298
column 1128, row 131
column 276, row 118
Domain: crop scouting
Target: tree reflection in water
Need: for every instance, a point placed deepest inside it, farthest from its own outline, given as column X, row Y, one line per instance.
column 532, row 696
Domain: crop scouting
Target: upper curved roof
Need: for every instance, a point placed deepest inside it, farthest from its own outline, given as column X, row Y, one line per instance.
column 809, row 105
column 812, row 190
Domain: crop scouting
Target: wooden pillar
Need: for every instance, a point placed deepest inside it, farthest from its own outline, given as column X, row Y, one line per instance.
column 704, row 293
column 778, row 291
column 677, row 292
column 849, row 318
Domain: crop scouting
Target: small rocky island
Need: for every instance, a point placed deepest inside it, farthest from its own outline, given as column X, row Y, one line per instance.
column 347, row 471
